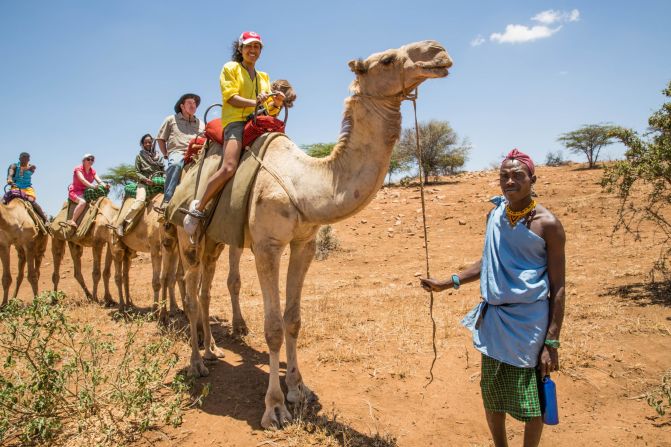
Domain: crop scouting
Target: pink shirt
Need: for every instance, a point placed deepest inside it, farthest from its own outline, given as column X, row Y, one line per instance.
column 77, row 186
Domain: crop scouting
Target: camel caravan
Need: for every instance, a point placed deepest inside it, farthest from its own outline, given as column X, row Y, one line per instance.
column 187, row 205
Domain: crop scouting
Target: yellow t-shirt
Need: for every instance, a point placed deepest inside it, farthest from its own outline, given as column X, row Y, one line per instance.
column 235, row 80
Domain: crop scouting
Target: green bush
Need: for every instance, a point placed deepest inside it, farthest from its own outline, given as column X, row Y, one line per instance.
column 660, row 397
column 62, row 379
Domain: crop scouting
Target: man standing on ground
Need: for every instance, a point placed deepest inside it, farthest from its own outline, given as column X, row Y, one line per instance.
column 19, row 176
column 516, row 327
column 173, row 139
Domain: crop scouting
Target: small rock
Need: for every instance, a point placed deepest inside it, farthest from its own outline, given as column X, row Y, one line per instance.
column 462, row 222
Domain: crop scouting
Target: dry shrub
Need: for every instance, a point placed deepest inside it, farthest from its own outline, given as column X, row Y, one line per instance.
column 64, row 382
column 327, row 242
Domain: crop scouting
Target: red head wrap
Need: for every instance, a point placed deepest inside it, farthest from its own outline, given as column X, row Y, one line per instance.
column 522, row 158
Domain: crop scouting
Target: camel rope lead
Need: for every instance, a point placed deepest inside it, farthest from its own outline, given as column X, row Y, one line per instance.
column 422, row 175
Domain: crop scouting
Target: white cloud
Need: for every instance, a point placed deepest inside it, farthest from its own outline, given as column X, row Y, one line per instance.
column 479, row 40
column 551, row 16
column 522, row 33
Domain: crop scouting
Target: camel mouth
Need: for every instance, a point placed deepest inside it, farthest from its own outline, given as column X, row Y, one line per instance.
column 438, row 71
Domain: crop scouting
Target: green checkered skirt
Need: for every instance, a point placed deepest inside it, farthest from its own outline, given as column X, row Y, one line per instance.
column 510, row 389
column 92, row 194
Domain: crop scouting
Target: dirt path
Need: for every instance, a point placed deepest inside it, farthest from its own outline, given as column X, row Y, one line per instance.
column 365, row 346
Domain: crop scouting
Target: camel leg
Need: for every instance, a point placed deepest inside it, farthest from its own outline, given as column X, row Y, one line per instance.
column 267, row 256
column 211, row 253
column 239, row 324
column 33, row 274
column 156, row 262
column 6, row 274
column 97, row 258
column 107, row 273
column 21, row 268
column 180, row 282
column 57, row 252
column 189, row 256
column 301, row 257
column 169, row 266
column 127, row 262
column 118, row 255
column 76, row 253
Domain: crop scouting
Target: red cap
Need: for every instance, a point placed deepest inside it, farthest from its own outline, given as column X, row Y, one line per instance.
column 249, row 37
column 522, row 158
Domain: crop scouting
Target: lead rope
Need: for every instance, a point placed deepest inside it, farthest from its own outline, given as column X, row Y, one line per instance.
column 422, row 175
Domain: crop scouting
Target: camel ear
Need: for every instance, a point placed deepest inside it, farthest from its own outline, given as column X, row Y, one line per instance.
column 357, row 66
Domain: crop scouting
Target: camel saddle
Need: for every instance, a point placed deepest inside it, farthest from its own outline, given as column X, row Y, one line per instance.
column 227, row 216
column 67, row 233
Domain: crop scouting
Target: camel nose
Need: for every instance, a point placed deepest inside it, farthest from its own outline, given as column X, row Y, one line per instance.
column 430, row 52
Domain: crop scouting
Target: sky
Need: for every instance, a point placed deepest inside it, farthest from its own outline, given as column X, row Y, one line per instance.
column 79, row 76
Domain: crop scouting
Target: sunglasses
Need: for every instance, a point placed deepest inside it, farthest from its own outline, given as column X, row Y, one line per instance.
column 90, row 159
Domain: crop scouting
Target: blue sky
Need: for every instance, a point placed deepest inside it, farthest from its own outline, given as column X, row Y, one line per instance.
column 83, row 76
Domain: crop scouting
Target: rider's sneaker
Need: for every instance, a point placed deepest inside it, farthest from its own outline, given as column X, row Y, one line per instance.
column 193, row 217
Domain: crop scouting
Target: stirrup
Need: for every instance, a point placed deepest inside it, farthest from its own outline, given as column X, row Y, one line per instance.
column 195, row 213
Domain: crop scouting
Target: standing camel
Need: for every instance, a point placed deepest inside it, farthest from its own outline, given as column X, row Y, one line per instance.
column 97, row 237
column 17, row 228
column 148, row 236
column 315, row 192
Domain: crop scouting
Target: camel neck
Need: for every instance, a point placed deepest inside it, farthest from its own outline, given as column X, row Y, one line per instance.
column 355, row 170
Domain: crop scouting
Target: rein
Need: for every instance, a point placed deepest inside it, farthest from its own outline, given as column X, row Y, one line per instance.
column 412, row 95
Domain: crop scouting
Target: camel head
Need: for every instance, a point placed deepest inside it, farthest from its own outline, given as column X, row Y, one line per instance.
column 394, row 72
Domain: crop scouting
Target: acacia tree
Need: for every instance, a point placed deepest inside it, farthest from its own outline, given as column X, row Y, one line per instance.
column 588, row 140
column 118, row 177
column 399, row 162
column 441, row 151
column 318, row 150
column 647, row 167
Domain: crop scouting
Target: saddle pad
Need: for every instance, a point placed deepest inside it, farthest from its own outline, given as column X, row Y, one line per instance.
column 87, row 218
column 231, row 211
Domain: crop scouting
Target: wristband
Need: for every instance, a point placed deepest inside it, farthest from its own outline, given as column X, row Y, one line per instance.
column 455, row 281
column 552, row 343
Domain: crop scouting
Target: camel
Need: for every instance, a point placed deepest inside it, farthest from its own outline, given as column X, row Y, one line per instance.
column 98, row 237
column 17, row 228
column 315, row 192
column 148, row 236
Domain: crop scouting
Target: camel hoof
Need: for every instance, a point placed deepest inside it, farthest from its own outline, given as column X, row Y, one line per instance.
column 275, row 417
column 301, row 394
column 109, row 302
column 240, row 329
column 162, row 317
column 214, row 354
column 198, row 369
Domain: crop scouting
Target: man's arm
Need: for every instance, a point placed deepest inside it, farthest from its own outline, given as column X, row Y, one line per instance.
column 161, row 147
column 555, row 240
column 471, row 273
column 10, row 173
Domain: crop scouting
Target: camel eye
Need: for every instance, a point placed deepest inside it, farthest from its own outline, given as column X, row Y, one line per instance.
column 387, row 60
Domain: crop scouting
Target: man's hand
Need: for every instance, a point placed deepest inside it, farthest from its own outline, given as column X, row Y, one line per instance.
column 261, row 98
column 32, row 168
column 430, row 284
column 549, row 361
column 149, row 182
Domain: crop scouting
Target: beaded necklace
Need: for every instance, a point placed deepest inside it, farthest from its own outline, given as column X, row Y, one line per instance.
column 515, row 216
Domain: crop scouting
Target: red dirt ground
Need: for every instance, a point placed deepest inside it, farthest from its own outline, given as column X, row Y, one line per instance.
column 365, row 347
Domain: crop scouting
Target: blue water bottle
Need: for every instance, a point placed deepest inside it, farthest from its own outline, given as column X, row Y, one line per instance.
column 548, row 397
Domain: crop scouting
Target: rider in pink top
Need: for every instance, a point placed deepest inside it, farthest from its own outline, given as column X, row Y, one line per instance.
column 83, row 177
column 77, row 188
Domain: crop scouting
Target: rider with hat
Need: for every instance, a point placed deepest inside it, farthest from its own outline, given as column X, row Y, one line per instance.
column 242, row 88
column 173, row 139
